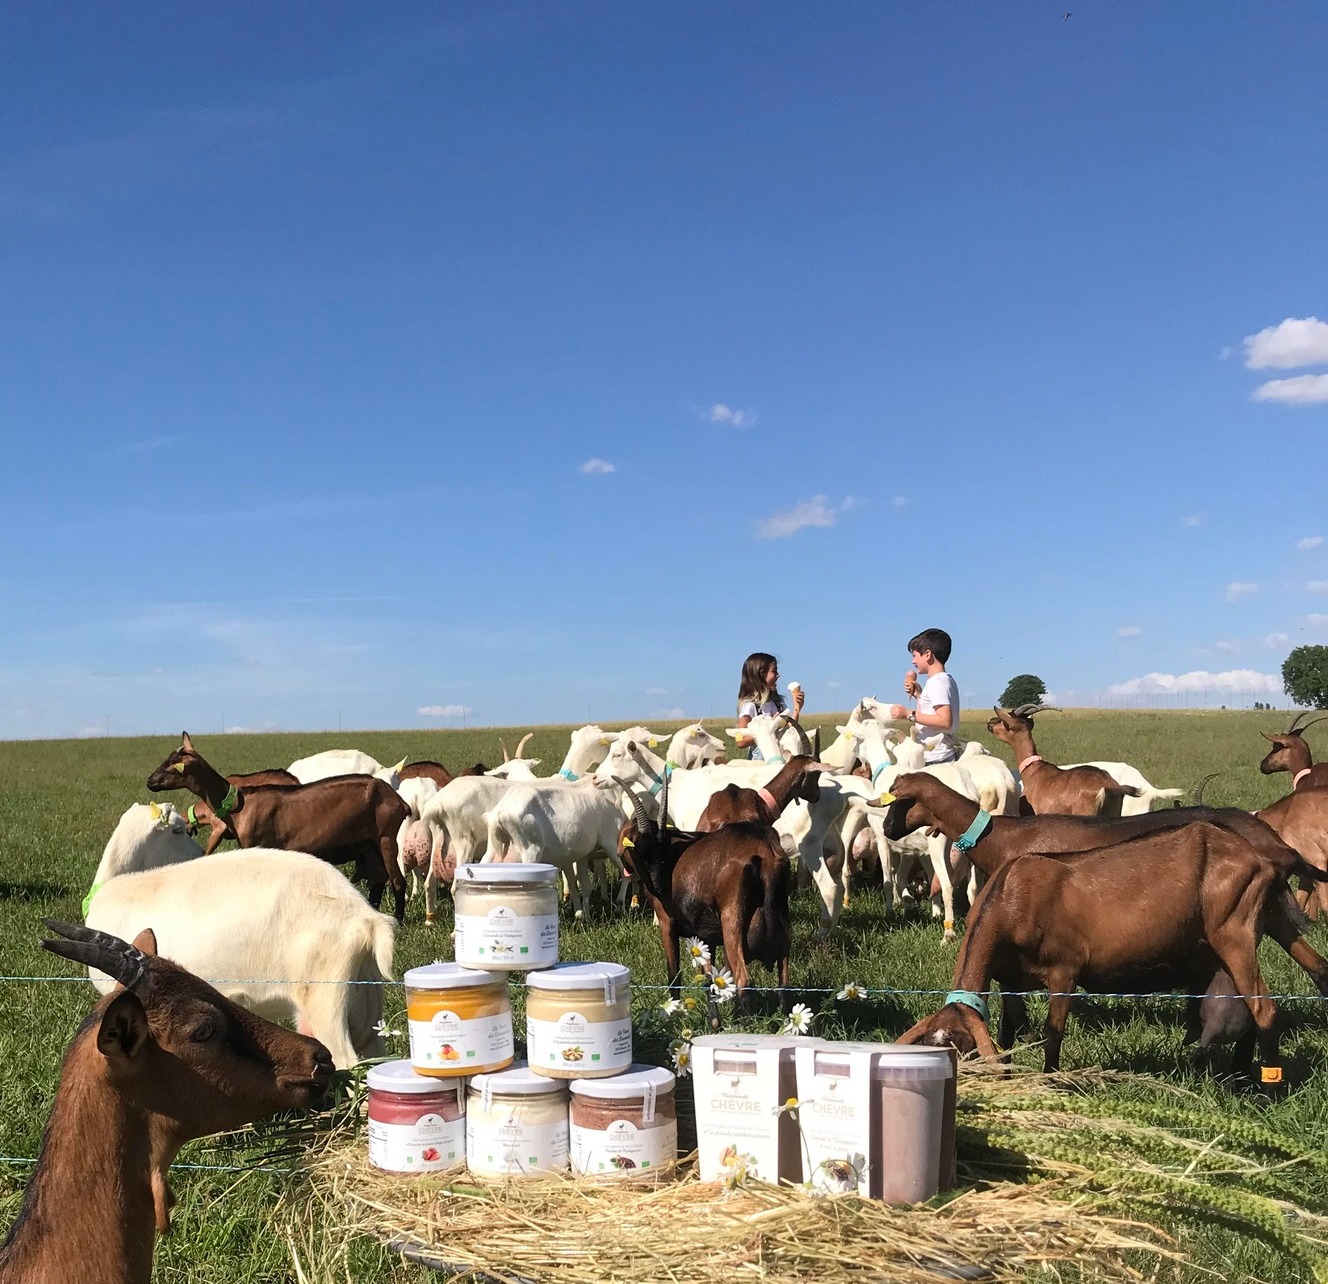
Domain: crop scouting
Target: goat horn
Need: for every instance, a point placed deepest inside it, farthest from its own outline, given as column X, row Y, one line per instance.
column 101, row 950
column 642, row 820
column 1312, row 722
column 1295, row 722
column 804, row 745
column 1199, row 788
column 816, row 743
column 507, row 757
column 664, row 801
column 523, row 742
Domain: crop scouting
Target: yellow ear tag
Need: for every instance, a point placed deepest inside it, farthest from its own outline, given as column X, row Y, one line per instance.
column 1270, row 1074
column 604, row 740
column 652, row 743
column 886, row 799
column 627, row 842
column 156, row 811
column 178, row 766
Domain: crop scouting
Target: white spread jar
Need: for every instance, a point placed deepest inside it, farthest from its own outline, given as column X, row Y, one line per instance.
column 460, row 1020
column 625, row 1127
column 516, row 1124
column 579, row 1020
column 506, row 916
column 415, row 1121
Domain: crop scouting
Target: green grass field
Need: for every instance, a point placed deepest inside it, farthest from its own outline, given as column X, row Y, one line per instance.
column 59, row 802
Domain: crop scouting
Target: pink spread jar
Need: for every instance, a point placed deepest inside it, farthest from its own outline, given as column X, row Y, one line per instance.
column 417, row 1123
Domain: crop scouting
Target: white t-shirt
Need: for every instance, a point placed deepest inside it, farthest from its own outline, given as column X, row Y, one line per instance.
column 938, row 691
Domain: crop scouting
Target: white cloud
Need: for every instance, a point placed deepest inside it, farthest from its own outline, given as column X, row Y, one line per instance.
column 1128, row 631
column 719, row 413
column 1238, row 589
column 1199, row 680
column 1302, row 390
column 1192, row 520
column 91, row 733
column 673, row 714
column 1309, row 543
column 1227, row 648
column 1276, row 640
column 593, row 467
column 1317, row 586
column 817, row 511
column 655, row 691
column 899, row 501
column 834, row 686
column 444, row 710
column 1316, row 621
column 1298, row 341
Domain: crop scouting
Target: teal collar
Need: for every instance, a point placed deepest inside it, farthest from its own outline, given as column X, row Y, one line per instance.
column 974, row 834
column 969, row 1000
column 87, row 900
column 881, row 768
column 659, row 782
column 568, row 775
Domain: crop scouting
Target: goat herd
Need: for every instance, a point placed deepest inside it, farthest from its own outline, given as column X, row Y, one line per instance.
column 1072, row 898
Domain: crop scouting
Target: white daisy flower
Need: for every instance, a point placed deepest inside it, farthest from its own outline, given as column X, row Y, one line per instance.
column 672, row 1006
column 799, row 1020
column 682, row 1059
column 383, row 1031
column 722, row 988
column 852, row 991
column 697, row 950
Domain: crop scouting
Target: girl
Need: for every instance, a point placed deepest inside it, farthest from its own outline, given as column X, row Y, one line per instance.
column 758, row 693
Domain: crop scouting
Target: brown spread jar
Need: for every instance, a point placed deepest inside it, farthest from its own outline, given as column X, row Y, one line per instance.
column 625, row 1126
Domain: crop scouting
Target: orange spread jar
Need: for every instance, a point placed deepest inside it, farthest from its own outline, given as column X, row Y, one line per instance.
column 460, row 1020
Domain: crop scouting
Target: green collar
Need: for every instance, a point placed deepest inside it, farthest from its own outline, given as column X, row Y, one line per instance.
column 227, row 804
column 87, row 900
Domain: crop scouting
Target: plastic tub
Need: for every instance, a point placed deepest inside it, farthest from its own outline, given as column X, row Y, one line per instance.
column 625, row 1127
column 506, row 916
column 516, row 1124
column 460, row 1020
column 909, row 1085
column 579, row 1020
column 416, row 1124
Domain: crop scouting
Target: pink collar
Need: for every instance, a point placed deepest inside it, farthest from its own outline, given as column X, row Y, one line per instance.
column 1298, row 777
column 1031, row 759
column 769, row 799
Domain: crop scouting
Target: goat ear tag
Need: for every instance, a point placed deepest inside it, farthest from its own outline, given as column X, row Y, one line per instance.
column 627, row 842
column 652, row 743
column 1270, row 1074
column 156, row 811
column 178, row 766
column 604, row 740
column 887, row 798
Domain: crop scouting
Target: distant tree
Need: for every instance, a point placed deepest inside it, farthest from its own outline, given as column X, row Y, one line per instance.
column 1027, row 688
column 1305, row 676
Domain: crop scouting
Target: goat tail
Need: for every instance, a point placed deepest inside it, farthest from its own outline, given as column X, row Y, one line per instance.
column 1310, row 872
column 383, row 936
column 1133, row 791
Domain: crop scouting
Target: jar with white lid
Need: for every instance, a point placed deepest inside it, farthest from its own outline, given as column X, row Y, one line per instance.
column 625, row 1127
column 579, row 1020
column 460, row 1020
column 506, row 915
column 516, row 1124
column 911, row 1086
column 416, row 1123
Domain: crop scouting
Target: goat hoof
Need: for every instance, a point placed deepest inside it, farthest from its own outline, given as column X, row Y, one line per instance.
column 428, row 920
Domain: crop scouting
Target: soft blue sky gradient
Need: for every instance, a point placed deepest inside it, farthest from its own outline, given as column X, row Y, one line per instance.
column 541, row 360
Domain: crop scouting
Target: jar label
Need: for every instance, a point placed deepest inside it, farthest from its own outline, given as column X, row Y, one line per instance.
column 572, row 1042
column 446, row 1042
column 499, row 1145
column 504, row 938
column 623, row 1148
column 431, row 1144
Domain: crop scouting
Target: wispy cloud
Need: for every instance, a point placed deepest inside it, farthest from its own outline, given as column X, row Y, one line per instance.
column 899, row 501
column 1192, row 520
column 90, row 733
column 593, row 467
column 1128, row 631
column 673, row 714
column 817, row 511
column 720, row 413
column 1309, row 543
column 1297, row 341
column 1274, row 641
column 1227, row 647
column 655, row 691
column 1238, row 589
column 144, row 447
column 444, row 710
column 1302, row 390
column 1317, row 586
column 1198, row 681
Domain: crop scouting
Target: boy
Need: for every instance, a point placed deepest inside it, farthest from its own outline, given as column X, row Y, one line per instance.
column 938, row 696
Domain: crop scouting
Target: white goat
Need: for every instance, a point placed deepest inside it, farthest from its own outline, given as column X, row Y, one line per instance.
column 1123, row 774
column 694, row 746
column 291, row 922
column 343, row 762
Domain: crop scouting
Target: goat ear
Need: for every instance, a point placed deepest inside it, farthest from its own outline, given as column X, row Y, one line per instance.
column 123, row 1030
column 185, row 742
column 146, row 942
column 1271, row 739
column 977, row 1027
column 401, row 765
column 916, row 1033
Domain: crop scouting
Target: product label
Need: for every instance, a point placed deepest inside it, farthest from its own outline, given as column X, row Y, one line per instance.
column 624, row 1148
column 741, row 1126
column 835, row 1116
column 446, row 1042
column 508, row 1146
column 504, row 938
column 572, row 1042
column 431, row 1144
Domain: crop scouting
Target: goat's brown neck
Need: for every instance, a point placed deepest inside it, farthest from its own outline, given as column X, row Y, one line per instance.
column 1297, row 754
column 88, row 1214
column 952, row 812
column 207, row 782
column 782, row 787
column 1021, row 743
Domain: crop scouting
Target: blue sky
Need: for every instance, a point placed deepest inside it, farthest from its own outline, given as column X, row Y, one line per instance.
column 541, row 360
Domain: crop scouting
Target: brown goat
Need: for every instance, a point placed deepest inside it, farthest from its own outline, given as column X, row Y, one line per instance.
column 1049, row 789
column 728, row 888
column 1291, row 753
column 270, row 776
column 1301, row 821
column 343, row 818
column 162, row 1059
column 1104, row 921
column 798, row 779
column 427, row 769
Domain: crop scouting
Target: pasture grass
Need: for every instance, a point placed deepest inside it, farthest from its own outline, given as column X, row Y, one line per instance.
column 59, row 802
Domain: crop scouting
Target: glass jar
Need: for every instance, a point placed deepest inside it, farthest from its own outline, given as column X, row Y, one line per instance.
column 506, row 916
column 460, row 1020
column 516, row 1124
column 625, row 1127
column 416, row 1124
column 579, row 1020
